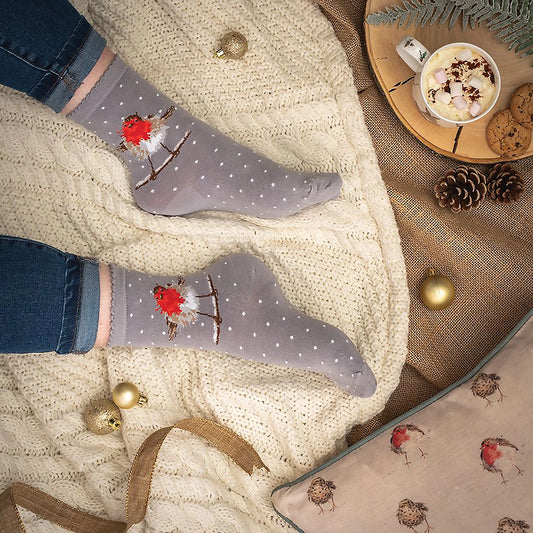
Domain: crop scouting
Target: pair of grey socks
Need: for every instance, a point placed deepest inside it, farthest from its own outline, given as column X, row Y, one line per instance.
column 179, row 164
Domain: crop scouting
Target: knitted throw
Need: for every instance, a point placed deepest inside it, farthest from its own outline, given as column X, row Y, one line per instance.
column 291, row 98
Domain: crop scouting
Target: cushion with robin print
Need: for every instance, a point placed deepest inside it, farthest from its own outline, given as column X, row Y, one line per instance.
column 462, row 462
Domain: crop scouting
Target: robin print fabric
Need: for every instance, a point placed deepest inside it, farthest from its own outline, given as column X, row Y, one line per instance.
column 462, row 462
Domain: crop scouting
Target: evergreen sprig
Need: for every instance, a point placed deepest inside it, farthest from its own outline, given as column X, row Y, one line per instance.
column 512, row 19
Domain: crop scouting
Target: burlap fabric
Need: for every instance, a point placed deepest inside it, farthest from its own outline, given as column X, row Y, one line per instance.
column 488, row 253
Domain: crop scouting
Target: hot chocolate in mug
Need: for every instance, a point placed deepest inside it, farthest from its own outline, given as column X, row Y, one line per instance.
column 455, row 85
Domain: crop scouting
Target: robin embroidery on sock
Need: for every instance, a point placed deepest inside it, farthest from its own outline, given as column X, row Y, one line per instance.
column 144, row 136
column 178, row 302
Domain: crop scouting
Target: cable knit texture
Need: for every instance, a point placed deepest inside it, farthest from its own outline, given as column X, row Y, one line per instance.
column 291, row 98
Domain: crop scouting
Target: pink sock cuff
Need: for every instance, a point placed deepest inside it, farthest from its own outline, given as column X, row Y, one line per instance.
column 117, row 336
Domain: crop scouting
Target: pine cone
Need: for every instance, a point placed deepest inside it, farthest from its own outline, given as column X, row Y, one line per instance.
column 504, row 183
column 461, row 189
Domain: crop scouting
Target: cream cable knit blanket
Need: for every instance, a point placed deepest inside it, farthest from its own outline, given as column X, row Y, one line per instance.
column 292, row 98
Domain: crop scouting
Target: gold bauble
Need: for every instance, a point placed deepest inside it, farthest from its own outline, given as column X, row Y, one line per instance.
column 437, row 292
column 126, row 395
column 102, row 417
column 232, row 46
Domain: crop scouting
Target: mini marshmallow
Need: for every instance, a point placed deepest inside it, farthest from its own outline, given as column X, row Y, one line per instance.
column 460, row 103
column 456, row 88
column 465, row 54
column 443, row 97
column 440, row 75
column 474, row 109
column 475, row 82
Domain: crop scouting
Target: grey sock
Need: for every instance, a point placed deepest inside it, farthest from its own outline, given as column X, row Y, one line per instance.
column 179, row 164
column 234, row 306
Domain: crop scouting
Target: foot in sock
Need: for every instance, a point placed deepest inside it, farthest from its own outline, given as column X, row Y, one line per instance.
column 178, row 164
column 234, row 306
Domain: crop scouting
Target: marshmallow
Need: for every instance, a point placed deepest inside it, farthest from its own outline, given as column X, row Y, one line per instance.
column 475, row 82
column 474, row 109
column 439, row 75
column 460, row 103
column 456, row 88
column 465, row 54
column 443, row 97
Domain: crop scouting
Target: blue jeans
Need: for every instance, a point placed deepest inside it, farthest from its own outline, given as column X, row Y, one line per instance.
column 49, row 300
column 46, row 49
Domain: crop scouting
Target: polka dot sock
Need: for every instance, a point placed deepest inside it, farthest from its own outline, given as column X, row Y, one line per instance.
column 233, row 306
column 178, row 164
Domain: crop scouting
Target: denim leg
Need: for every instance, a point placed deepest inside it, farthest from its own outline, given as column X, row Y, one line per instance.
column 49, row 300
column 46, row 49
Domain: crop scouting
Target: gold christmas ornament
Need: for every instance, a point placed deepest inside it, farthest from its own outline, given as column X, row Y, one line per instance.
column 437, row 292
column 232, row 46
column 126, row 395
column 102, row 417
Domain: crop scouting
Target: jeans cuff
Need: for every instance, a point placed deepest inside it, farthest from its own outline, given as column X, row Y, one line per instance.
column 76, row 59
column 89, row 307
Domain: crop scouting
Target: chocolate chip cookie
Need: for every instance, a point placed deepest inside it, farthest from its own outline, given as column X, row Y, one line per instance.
column 522, row 105
column 506, row 136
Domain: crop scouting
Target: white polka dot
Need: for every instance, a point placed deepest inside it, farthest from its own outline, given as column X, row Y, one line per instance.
column 332, row 341
column 244, row 166
column 259, row 301
column 188, row 336
column 151, row 316
column 196, row 162
column 277, row 344
column 194, row 142
column 307, row 330
column 243, row 313
column 218, row 186
column 254, row 334
column 240, row 347
column 315, row 347
column 152, row 190
column 239, row 154
column 176, row 168
column 272, row 184
column 268, row 324
column 120, row 85
column 215, row 150
column 286, row 176
column 227, row 299
column 177, row 127
column 174, row 189
column 129, row 342
column 351, row 357
column 222, row 164
column 140, row 300
column 277, row 302
column 336, row 360
column 141, row 332
column 202, row 177
column 234, row 284
column 131, row 314
column 251, row 179
column 202, row 324
column 140, row 97
column 163, row 333
column 284, row 199
column 231, row 175
column 229, row 328
column 321, row 362
column 340, row 375
column 299, row 354
column 136, row 82
column 265, row 170
column 105, row 121
column 291, row 337
column 286, row 362
column 263, row 354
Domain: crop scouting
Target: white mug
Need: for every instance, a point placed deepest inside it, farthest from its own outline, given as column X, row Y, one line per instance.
column 417, row 57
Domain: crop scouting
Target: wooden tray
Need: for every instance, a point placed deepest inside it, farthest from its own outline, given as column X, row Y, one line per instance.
column 466, row 143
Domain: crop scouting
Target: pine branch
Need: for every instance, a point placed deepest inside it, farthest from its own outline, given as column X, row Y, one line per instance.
column 512, row 20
